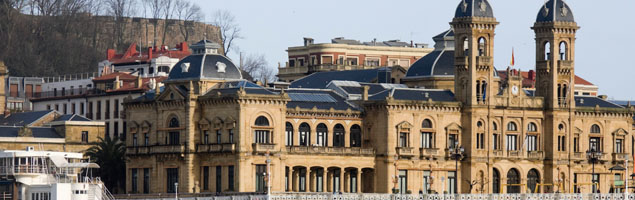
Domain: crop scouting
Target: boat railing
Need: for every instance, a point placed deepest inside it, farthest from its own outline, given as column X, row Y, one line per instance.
column 23, row 169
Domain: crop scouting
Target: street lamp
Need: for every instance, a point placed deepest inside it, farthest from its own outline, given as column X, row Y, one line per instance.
column 456, row 152
column 594, row 156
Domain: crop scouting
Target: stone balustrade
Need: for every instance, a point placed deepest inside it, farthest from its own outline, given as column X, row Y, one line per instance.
column 353, row 151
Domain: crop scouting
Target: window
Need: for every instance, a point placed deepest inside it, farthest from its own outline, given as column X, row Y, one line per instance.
column 262, row 136
column 116, row 128
column 134, row 140
column 576, row 144
column 403, row 181
column 219, row 136
column 174, row 136
column 453, row 141
column 302, row 177
column 90, row 110
column 426, row 182
column 288, row 134
column 595, row 144
column 301, row 62
column 107, row 110
column 496, row 181
column 172, row 179
column 261, row 171
column 206, row 137
column 480, row 140
column 230, row 178
column 619, row 145
column 134, row 180
column 596, row 179
column 48, row 107
column 372, row 62
column 231, row 136
column 426, row 124
column 291, row 63
column 338, row 136
column 146, row 180
column 494, row 126
column 125, row 131
column 511, row 126
column 146, row 139
column 206, row 178
column 532, row 127
column 562, row 143
column 532, row 143
column 99, row 111
column 513, row 181
column 219, row 177
column 356, row 136
column 427, row 140
column 65, row 109
column 595, row 128
column 85, row 136
column 495, row 141
column 57, row 107
column 352, row 61
column 512, row 142
column 322, row 130
column 452, row 183
column 327, row 60
column 403, row 139
column 533, row 179
column 305, row 130
column 116, row 113
column 73, row 111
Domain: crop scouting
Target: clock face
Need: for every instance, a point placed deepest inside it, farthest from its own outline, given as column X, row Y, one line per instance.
column 515, row 90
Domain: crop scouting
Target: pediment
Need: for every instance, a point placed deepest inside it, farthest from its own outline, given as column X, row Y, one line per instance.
column 404, row 126
column 577, row 130
column 171, row 93
column 453, row 128
column 620, row 132
column 218, row 122
column 230, row 122
column 204, row 124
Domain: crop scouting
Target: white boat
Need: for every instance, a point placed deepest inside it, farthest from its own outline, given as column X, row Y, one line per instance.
column 47, row 175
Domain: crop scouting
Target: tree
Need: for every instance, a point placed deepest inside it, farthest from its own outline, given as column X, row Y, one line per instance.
column 110, row 154
column 155, row 8
column 188, row 13
column 257, row 66
column 229, row 29
column 168, row 10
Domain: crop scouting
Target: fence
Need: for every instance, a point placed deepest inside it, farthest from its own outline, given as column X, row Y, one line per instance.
column 618, row 196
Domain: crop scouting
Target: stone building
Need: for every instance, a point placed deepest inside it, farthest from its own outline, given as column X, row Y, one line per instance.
column 210, row 131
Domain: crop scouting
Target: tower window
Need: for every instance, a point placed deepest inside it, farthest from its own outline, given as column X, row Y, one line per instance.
column 563, row 51
column 482, row 47
column 547, row 51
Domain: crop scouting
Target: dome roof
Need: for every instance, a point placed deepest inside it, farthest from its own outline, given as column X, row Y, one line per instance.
column 562, row 12
column 204, row 66
column 439, row 62
column 474, row 8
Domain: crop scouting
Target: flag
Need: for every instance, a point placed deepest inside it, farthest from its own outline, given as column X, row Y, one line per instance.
column 513, row 60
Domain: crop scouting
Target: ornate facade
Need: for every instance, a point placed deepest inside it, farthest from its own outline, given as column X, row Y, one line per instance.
column 210, row 131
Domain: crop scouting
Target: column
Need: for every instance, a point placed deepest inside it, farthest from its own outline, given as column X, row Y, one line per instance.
column 313, row 180
column 296, row 180
column 359, row 180
column 329, row 181
column 347, row 182
column 347, row 138
column 341, row 180
column 324, row 180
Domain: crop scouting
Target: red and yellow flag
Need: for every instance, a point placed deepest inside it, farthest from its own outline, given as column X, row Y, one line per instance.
column 513, row 60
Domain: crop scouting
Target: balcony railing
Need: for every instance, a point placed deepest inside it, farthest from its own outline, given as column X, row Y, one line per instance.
column 536, row 155
column 354, row 151
column 497, row 153
column 68, row 93
column 263, row 148
column 215, row 148
column 565, row 64
column 619, row 156
column 514, row 154
column 162, row 149
column 293, row 70
column 428, row 152
column 483, row 60
column 405, row 151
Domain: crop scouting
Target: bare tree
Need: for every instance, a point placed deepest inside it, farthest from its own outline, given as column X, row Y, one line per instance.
column 168, row 11
column 257, row 67
column 155, row 8
column 229, row 29
column 120, row 9
column 188, row 13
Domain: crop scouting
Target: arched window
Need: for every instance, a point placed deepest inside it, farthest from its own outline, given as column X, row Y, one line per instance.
column 482, row 47
column 289, row 134
column 174, row 137
column 494, row 126
column 547, row 50
column 466, row 47
column 561, row 127
column 338, row 136
column 563, row 51
column 305, row 131
column 481, row 91
column 513, row 181
column 321, row 132
column 595, row 128
column 356, row 136
column 511, row 126
column 533, row 179
column 479, row 124
column 532, row 127
column 174, row 123
column 426, row 123
column 262, row 132
column 496, row 181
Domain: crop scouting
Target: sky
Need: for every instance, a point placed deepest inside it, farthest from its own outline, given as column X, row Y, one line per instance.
column 603, row 46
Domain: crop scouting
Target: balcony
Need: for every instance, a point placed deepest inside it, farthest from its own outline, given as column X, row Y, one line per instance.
column 579, row 156
column 167, row 149
column 483, row 60
column 514, row 154
column 428, row 152
column 215, row 148
column 263, row 148
column 619, row 156
column 338, row 151
column 498, row 153
column 536, row 155
column 405, row 151
column 565, row 64
column 139, row 150
column 293, row 70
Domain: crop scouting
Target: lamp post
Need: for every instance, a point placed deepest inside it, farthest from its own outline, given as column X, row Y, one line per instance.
column 456, row 152
column 594, row 156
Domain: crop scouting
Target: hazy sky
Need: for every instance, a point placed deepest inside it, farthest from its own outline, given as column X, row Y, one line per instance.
column 604, row 48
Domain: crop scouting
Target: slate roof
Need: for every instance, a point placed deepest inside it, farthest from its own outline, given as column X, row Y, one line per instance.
column 587, row 101
column 204, row 67
column 233, row 87
column 72, row 117
column 562, row 12
column 321, row 99
column 436, row 63
column 415, row 95
column 473, row 8
column 23, row 119
column 320, row 80
column 38, row 132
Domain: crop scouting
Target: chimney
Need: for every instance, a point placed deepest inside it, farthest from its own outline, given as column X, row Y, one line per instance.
column 116, row 83
column 110, row 54
column 184, row 47
column 139, row 82
column 149, row 52
column 365, row 93
column 308, row 41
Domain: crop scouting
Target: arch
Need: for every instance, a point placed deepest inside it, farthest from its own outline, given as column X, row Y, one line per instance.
column 426, row 123
column 496, row 181
column 562, row 127
column 564, row 51
column 533, row 179
column 288, row 130
column 482, row 46
column 595, row 128
column 531, row 127
column 262, row 121
column 513, row 181
column 511, row 126
column 356, row 136
column 547, row 50
column 494, row 126
column 321, row 134
column 338, row 135
column 174, row 122
column 466, row 46
column 304, row 134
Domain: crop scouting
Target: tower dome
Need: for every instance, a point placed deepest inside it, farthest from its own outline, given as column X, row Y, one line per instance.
column 474, row 8
column 555, row 10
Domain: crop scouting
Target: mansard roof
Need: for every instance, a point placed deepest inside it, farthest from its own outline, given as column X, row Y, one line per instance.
column 590, row 101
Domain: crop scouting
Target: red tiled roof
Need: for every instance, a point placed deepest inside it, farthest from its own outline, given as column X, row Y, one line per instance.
column 132, row 56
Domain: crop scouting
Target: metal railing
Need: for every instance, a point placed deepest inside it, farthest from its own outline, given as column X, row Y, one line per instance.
column 68, row 92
